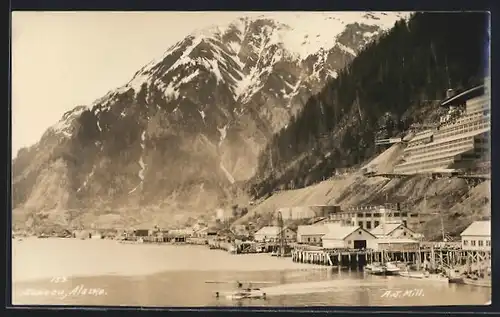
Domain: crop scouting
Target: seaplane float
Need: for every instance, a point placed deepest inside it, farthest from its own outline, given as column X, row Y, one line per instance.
column 241, row 292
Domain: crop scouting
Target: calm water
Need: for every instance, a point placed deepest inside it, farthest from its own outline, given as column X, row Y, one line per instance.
column 301, row 286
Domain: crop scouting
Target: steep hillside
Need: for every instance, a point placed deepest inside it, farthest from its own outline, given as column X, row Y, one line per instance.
column 188, row 128
column 459, row 204
column 392, row 83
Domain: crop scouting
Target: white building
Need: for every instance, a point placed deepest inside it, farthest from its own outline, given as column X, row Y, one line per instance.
column 393, row 229
column 185, row 232
column 271, row 234
column 477, row 236
column 347, row 237
column 393, row 244
column 312, row 234
column 370, row 217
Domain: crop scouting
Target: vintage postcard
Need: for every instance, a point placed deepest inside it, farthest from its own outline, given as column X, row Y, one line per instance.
column 277, row 159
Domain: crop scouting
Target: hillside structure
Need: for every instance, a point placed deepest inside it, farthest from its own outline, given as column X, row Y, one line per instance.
column 461, row 137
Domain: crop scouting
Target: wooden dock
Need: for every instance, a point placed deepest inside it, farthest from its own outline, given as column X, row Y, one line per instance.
column 436, row 258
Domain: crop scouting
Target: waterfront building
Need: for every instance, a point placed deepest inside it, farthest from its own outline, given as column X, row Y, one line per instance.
column 460, row 138
column 393, row 244
column 477, row 236
column 312, row 234
column 370, row 217
column 392, row 229
column 347, row 237
column 272, row 234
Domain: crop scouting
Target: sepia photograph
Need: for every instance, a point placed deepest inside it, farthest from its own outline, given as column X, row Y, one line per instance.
column 250, row 159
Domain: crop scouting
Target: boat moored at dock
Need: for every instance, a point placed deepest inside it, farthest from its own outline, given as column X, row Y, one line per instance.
column 412, row 274
column 391, row 268
column 375, row 269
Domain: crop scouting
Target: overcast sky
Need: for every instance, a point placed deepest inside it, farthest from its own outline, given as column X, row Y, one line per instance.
column 64, row 59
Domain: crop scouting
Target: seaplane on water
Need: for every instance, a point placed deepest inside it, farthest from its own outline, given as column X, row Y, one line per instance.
column 242, row 292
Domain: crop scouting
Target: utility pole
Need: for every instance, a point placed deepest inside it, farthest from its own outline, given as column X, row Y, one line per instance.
column 442, row 225
column 281, row 234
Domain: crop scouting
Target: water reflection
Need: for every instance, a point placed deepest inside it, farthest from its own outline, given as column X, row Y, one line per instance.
column 292, row 288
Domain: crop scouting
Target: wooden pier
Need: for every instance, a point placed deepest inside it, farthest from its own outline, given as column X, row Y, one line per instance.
column 435, row 258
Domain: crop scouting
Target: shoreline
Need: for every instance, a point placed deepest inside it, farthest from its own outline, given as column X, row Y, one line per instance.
column 36, row 259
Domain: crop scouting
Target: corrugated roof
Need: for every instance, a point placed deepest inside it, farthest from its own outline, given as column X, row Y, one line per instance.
column 341, row 232
column 385, row 229
column 478, row 228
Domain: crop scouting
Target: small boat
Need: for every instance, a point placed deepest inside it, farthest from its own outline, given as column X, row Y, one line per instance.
column 411, row 274
column 455, row 277
column 374, row 269
column 436, row 278
column 391, row 269
column 477, row 282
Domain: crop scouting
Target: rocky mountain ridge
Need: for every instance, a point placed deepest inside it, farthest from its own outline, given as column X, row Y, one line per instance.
column 181, row 135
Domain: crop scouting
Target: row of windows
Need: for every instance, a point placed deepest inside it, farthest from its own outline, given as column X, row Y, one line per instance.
column 421, row 145
column 367, row 215
column 415, row 144
column 428, row 163
column 313, row 239
column 444, row 155
column 368, row 224
column 485, row 123
column 480, row 102
column 480, row 243
column 480, row 111
column 446, row 127
column 458, row 150
column 442, row 146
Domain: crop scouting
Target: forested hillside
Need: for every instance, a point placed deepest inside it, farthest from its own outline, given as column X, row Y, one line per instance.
column 394, row 82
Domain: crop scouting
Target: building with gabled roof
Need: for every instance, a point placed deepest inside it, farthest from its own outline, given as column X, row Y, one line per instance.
column 312, row 234
column 272, row 233
column 395, row 229
column 477, row 236
column 347, row 237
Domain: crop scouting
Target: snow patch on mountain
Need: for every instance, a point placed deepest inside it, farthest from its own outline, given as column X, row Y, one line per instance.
column 141, row 163
column 65, row 125
column 230, row 177
column 346, row 49
column 306, row 32
column 86, row 180
column 223, row 134
column 202, row 114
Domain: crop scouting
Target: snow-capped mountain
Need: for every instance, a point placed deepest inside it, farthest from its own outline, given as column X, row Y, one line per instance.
column 191, row 124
